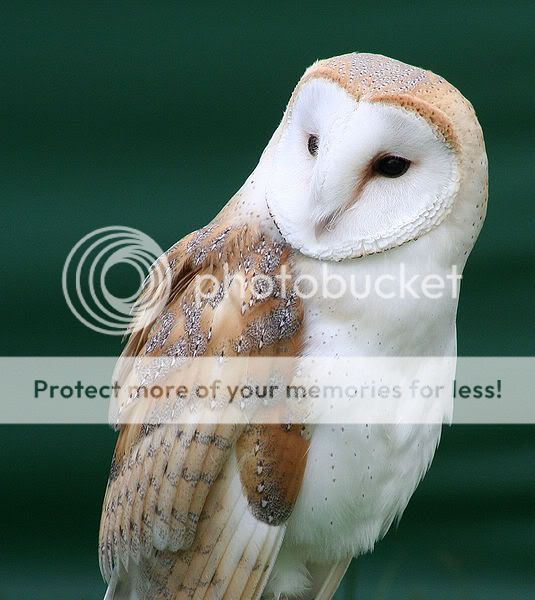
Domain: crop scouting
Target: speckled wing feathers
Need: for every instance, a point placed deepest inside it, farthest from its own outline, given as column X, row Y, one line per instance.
column 272, row 460
column 165, row 506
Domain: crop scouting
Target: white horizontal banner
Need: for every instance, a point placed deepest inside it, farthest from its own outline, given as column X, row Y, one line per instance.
column 311, row 390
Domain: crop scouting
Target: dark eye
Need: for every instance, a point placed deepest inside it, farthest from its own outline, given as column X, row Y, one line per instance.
column 313, row 144
column 391, row 166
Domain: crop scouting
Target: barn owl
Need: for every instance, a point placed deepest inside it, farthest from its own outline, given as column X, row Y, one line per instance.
column 375, row 164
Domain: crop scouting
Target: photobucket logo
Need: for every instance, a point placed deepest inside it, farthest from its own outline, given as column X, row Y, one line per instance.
column 401, row 284
column 86, row 288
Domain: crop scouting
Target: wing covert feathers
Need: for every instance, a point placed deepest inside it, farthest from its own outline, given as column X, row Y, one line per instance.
column 176, row 519
column 272, row 461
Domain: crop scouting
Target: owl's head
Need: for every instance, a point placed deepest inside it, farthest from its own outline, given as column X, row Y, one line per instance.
column 373, row 153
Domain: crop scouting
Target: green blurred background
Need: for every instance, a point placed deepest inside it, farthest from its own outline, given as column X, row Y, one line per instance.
column 151, row 115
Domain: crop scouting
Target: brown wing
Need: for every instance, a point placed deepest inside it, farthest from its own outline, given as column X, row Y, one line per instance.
column 272, row 460
column 175, row 492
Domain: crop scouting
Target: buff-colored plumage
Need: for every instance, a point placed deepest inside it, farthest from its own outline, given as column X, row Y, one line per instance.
column 207, row 511
column 162, row 475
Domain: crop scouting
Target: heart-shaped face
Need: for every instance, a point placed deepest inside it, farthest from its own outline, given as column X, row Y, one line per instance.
column 353, row 173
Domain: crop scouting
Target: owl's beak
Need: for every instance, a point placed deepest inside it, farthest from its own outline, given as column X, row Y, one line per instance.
column 329, row 221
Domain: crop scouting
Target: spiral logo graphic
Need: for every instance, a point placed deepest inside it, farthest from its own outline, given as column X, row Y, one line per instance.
column 85, row 280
